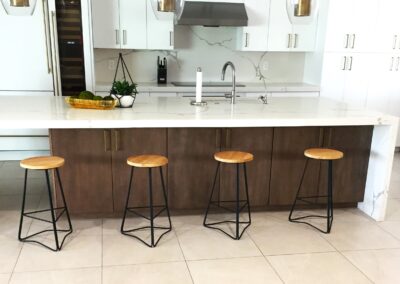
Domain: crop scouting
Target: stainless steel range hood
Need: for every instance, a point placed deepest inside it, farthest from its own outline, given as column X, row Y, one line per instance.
column 213, row 14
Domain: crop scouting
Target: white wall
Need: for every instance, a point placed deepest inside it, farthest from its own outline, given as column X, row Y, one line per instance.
column 208, row 48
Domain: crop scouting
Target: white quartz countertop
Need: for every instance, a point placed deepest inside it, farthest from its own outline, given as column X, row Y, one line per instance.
column 18, row 112
column 248, row 88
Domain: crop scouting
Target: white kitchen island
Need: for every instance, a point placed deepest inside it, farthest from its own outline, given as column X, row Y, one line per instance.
column 53, row 113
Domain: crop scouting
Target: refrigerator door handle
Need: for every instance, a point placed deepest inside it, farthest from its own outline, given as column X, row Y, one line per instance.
column 56, row 75
column 47, row 35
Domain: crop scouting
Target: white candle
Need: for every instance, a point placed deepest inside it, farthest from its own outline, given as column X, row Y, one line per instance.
column 199, row 85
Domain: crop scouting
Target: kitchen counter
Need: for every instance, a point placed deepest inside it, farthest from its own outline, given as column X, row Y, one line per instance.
column 248, row 88
column 52, row 112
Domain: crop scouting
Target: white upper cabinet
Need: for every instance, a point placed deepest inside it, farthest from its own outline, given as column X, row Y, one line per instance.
column 254, row 37
column 285, row 36
column 350, row 24
column 106, row 29
column 133, row 24
column 130, row 24
column 387, row 29
column 160, row 30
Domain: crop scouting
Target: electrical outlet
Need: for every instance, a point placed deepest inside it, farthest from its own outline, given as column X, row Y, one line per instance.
column 265, row 66
column 111, row 64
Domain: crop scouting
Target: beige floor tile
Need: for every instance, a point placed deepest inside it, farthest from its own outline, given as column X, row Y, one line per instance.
column 76, row 276
column 199, row 242
column 9, row 252
column 78, row 252
column 121, row 250
column 393, row 210
column 9, row 224
column 360, row 236
column 239, row 270
column 394, row 189
column 157, row 273
column 286, row 238
column 4, row 278
column 393, row 227
column 315, row 268
column 381, row 266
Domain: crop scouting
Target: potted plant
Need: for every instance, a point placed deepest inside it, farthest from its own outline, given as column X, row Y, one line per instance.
column 124, row 92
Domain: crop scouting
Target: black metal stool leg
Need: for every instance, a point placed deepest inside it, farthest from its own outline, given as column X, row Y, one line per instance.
column 53, row 218
column 151, row 208
column 23, row 206
column 237, row 201
column 165, row 199
column 212, row 193
column 330, row 198
column 64, row 202
column 298, row 191
column 127, row 200
column 247, row 192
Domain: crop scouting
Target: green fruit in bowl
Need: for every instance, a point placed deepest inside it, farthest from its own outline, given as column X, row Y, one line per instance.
column 86, row 95
column 97, row 98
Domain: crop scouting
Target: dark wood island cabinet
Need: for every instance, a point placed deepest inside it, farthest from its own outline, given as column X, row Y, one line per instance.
column 96, row 175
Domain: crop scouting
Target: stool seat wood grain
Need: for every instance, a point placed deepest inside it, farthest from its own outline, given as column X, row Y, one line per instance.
column 323, row 154
column 42, row 163
column 233, row 157
column 147, row 161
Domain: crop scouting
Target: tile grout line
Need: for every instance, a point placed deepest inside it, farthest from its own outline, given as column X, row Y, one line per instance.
column 184, row 257
column 266, row 259
column 352, row 264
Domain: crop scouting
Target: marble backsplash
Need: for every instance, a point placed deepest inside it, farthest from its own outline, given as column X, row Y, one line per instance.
column 208, row 48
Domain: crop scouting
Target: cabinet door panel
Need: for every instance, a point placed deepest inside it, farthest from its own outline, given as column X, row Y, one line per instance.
column 132, row 142
column 279, row 27
column 306, row 37
column 191, row 166
column 86, row 175
column 349, row 173
column 254, row 37
column 333, row 76
column 159, row 30
column 288, row 163
column 105, row 17
column 386, row 32
column 257, row 141
column 364, row 20
column 133, row 24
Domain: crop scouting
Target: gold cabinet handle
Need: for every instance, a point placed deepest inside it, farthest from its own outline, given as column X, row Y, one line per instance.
column 394, row 41
column 398, row 64
column 246, row 39
column 289, row 41
column 124, row 37
column 117, row 37
column 351, row 63
column 353, row 42
column 171, row 38
column 392, row 64
column 106, row 136
column 344, row 62
column 295, row 40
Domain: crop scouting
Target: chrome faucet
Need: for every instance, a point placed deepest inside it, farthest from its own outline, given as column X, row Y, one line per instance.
column 233, row 95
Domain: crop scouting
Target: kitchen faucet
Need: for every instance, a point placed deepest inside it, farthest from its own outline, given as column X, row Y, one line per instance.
column 233, row 95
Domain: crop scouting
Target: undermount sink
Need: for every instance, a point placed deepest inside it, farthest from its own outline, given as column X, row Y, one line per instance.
column 205, row 84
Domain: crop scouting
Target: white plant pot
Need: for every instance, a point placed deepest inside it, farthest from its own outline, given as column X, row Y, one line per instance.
column 124, row 101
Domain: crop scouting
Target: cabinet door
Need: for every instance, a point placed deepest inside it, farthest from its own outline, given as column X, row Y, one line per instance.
column 191, row 166
column 339, row 26
column 357, row 77
column 132, row 142
column 305, row 37
column 349, row 173
column 280, row 37
column 254, row 37
column 333, row 75
column 133, row 24
column 386, row 33
column 24, row 55
column 288, row 163
column 160, row 31
column 364, row 21
column 257, row 141
column 105, row 18
column 86, row 175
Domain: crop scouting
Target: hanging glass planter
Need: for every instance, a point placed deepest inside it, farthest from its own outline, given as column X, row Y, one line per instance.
column 19, row 7
column 301, row 12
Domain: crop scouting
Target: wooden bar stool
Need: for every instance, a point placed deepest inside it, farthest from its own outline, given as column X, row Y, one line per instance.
column 149, row 162
column 323, row 154
column 231, row 157
column 46, row 164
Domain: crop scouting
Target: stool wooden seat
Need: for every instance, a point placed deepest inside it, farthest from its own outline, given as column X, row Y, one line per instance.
column 147, row 161
column 323, row 154
column 42, row 163
column 233, row 157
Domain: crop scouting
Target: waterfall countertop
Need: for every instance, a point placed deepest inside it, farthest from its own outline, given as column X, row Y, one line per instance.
column 18, row 112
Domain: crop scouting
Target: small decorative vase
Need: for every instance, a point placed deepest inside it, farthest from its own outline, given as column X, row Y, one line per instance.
column 124, row 101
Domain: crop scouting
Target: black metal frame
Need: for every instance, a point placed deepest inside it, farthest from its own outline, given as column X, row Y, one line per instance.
column 329, row 207
column 238, row 208
column 151, row 208
column 53, row 214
